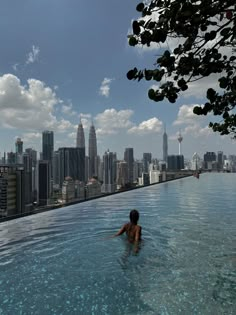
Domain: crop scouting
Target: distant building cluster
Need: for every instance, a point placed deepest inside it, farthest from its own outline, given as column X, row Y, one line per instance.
column 29, row 180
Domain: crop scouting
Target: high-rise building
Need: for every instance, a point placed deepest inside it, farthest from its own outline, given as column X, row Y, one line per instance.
column 165, row 146
column 129, row 159
column 92, row 151
column 27, row 162
column 44, row 182
column 19, row 150
column 33, row 156
column 19, row 146
column 109, row 170
column 80, row 140
column 55, row 168
column 47, row 145
column 138, row 169
column 147, row 159
column 86, row 168
column 122, row 174
column 48, row 148
column 12, row 187
column 11, row 158
column 220, row 160
column 175, row 162
column 210, row 160
column 80, row 144
column 7, row 193
column 154, row 175
column 71, row 163
column 68, row 189
column 93, row 188
column 196, row 162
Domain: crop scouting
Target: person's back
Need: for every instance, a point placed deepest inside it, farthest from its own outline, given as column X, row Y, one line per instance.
column 133, row 232
column 132, row 229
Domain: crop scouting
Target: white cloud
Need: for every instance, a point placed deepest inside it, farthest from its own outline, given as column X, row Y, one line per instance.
column 68, row 110
column 186, row 115
column 33, row 55
column 31, row 137
column 153, row 125
column 191, row 124
column 72, row 135
column 15, row 67
column 104, row 89
column 64, row 125
column 85, row 115
column 111, row 121
column 29, row 107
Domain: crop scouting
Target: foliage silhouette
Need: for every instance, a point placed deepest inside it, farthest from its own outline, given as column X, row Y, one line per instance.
column 204, row 35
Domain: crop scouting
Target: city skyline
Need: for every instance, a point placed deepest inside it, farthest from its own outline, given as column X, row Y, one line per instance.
column 54, row 81
column 90, row 150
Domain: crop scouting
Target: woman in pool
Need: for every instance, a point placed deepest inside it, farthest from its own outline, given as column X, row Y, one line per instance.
column 132, row 229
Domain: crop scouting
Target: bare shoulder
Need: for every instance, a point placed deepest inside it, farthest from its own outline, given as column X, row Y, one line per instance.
column 139, row 228
column 126, row 225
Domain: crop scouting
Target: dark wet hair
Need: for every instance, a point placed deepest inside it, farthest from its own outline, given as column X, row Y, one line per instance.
column 134, row 216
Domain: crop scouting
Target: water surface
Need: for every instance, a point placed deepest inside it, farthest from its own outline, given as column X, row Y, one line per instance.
column 60, row 262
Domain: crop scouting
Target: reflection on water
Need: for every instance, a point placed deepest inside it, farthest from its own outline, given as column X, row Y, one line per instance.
column 60, row 262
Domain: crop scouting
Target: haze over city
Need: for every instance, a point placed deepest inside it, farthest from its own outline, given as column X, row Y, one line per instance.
column 64, row 60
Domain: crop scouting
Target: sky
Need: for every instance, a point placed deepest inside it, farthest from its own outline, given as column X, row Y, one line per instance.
column 62, row 61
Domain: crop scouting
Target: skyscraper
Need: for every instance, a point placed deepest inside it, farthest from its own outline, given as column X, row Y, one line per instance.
column 147, row 159
column 19, row 146
column 11, row 158
column 129, row 159
column 109, row 172
column 80, row 144
column 33, row 156
column 175, row 162
column 48, row 148
column 70, row 164
column 19, row 150
column 165, row 146
column 220, row 160
column 92, row 152
column 27, row 161
column 44, row 185
column 12, row 186
column 122, row 172
column 47, row 145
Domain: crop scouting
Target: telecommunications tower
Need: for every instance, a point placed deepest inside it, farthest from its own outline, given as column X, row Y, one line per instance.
column 180, row 139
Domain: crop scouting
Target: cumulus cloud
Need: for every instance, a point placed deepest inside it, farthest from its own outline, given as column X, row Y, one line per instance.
column 86, row 122
column 33, row 55
column 104, row 89
column 31, row 137
column 191, row 124
column 68, row 110
column 186, row 115
column 111, row 121
column 153, row 125
column 28, row 107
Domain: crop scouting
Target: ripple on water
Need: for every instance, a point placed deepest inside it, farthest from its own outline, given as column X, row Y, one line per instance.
column 63, row 261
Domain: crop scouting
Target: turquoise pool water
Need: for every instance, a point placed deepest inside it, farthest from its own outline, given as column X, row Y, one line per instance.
column 60, row 262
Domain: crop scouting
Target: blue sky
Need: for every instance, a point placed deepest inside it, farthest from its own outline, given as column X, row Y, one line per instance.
column 64, row 59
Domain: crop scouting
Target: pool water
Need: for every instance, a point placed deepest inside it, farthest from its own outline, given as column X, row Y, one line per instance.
column 62, row 261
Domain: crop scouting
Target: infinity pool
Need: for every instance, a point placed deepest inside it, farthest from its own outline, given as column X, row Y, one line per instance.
column 61, row 261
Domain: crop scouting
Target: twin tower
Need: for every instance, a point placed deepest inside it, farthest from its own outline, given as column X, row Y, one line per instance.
column 92, row 147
